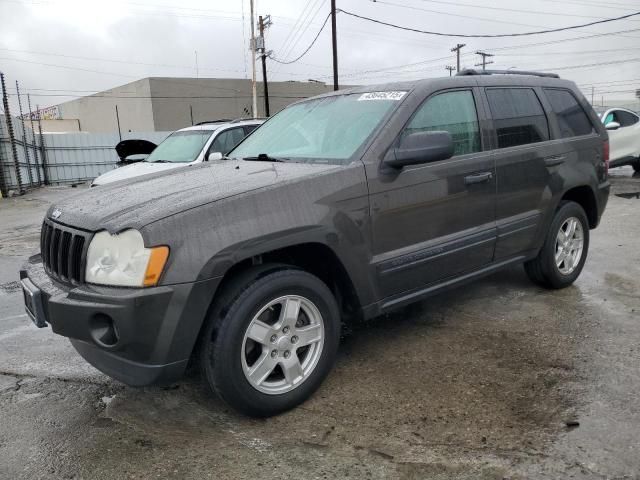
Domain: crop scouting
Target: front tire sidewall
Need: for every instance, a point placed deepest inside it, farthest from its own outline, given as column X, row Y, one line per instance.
column 550, row 270
column 223, row 365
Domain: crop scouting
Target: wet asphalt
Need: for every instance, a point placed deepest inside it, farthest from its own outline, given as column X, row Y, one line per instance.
column 499, row 379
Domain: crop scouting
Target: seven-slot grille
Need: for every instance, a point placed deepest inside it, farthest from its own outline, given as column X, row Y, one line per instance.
column 62, row 250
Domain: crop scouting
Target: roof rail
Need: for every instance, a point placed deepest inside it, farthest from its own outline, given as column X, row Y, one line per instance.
column 471, row 71
column 243, row 119
column 206, row 122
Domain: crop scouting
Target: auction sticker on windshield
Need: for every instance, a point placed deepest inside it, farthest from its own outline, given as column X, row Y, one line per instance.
column 381, row 96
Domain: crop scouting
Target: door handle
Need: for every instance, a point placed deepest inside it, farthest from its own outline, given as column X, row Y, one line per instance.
column 554, row 160
column 478, row 178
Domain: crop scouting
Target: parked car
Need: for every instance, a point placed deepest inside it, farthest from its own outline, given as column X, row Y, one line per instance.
column 624, row 136
column 340, row 207
column 186, row 147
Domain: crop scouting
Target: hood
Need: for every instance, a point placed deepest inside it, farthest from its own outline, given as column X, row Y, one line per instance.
column 143, row 200
column 134, row 170
column 127, row 148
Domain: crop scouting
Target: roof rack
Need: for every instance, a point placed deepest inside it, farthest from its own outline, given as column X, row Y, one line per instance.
column 471, row 71
column 206, row 122
column 243, row 119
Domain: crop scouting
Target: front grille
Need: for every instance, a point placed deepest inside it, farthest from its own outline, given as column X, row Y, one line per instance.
column 63, row 251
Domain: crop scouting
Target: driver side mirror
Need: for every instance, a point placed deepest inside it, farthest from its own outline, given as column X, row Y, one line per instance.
column 213, row 156
column 612, row 126
column 420, row 147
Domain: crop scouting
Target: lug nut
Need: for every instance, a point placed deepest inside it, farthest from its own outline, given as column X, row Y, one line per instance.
column 274, row 353
column 294, row 339
column 274, row 338
column 285, row 330
column 287, row 354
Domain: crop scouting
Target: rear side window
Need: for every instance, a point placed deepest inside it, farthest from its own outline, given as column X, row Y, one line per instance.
column 626, row 119
column 518, row 116
column 572, row 119
column 249, row 128
column 453, row 112
column 227, row 140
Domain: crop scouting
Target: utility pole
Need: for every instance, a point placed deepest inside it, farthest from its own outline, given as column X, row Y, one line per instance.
column 450, row 68
column 484, row 59
column 334, row 42
column 592, row 94
column 262, row 24
column 457, row 49
column 254, row 94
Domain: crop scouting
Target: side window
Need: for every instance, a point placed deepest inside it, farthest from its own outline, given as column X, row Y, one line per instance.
column 626, row 119
column 518, row 116
column 611, row 117
column 454, row 112
column 249, row 128
column 225, row 141
column 572, row 119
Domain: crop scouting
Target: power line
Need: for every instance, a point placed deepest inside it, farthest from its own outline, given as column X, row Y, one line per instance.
column 563, row 40
column 587, row 65
column 459, row 15
column 295, row 26
column 309, row 18
column 324, row 24
column 486, row 7
column 500, row 35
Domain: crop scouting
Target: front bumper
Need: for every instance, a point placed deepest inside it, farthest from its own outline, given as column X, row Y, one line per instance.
column 139, row 336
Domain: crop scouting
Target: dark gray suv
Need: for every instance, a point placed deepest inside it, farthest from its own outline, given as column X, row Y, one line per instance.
column 340, row 207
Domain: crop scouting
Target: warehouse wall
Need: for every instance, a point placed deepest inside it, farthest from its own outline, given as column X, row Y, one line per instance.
column 97, row 113
column 209, row 99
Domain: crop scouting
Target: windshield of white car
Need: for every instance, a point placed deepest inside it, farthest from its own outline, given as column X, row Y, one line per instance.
column 322, row 130
column 180, row 147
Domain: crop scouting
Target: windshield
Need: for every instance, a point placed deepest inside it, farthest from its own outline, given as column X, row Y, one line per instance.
column 328, row 130
column 180, row 147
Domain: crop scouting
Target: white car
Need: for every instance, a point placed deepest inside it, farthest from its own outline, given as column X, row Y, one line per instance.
column 188, row 146
column 624, row 136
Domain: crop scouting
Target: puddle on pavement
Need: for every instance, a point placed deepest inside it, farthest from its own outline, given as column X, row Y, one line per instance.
column 630, row 195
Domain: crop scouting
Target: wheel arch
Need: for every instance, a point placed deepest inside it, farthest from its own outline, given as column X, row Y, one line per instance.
column 584, row 196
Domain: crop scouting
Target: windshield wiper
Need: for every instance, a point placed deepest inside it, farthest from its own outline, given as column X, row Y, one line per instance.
column 161, row 161
column 263, row 157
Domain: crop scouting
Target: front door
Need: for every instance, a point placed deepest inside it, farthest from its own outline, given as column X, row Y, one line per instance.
column 435, row 220
column 623, row 141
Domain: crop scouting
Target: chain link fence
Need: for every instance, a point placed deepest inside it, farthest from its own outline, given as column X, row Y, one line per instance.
column 57, row 158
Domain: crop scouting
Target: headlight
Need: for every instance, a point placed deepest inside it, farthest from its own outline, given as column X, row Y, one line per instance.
column 123, row 260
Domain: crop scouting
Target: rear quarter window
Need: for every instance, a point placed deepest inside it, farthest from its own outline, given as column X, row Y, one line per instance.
column 572, row 119
column 626, row 119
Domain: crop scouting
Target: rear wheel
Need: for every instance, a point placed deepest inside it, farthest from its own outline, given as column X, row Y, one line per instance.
column 564, row 251
column 271, row 341
column 636, row 165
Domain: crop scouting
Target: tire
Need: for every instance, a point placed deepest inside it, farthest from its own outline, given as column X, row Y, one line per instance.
column 229, row 356
column 544, row 269
column 636, row 166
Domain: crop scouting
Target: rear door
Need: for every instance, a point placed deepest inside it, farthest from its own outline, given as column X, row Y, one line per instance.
column 435, row 220
column 522, row 151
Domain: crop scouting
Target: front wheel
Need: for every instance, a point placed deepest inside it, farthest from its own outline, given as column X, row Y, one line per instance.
column 564, row 251
column 271, row 340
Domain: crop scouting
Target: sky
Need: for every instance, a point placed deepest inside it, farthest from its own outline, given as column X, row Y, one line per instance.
column 61, row 49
